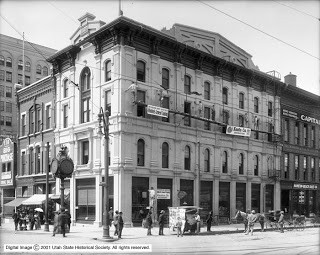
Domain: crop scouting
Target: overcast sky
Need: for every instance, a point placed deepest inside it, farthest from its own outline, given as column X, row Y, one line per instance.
column 287, row 41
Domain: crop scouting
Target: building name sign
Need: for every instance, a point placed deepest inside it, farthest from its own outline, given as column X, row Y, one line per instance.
column 158, row 111
column 6, row 151
column 163, row 194
column 305, row 186
column 240, row 131
column 300, row 116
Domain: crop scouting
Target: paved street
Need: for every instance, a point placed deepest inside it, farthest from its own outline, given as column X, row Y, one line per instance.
column 292, row 242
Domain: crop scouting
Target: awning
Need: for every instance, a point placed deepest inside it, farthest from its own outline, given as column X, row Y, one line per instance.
column 36, row 199
column 16, row 202
column 57, row 197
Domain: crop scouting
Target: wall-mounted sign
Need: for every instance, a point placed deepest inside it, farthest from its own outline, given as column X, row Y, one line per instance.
column 240, row 131
column 7, row 162
column 310, row 119
column 299, row 116
column 158, row 111
column 163, row 194
column 305, row 186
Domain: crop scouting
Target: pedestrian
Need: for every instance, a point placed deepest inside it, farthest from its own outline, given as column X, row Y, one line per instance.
column 55, row 222
column 261, row 221
column 120, row 222
column 197, row 218
column 281, row 221
column 179, row 227
column 252, row 218
column 31, row 220
column 245, row 221
column 15, row 218
column 62, row 221
column 116, row 223
column 68, row 218
column 161, row 222
column 209, row 221
column 37, row 223
column 149, row 223
column 110, row 213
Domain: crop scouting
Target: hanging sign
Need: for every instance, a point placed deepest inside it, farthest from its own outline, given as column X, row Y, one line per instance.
column 163, row 194
column 240, row 131
column 158, row 111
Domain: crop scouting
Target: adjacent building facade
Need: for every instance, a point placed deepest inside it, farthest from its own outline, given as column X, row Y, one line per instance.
column 300, row 165
column 202, row 153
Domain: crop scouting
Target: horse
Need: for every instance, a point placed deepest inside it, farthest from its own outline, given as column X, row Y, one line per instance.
column 243, row 216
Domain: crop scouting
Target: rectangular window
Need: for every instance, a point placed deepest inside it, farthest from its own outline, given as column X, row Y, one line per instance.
column 206, row 115
column 286, row 166
column 225, row 117
column 286, row 130
column 1, row 91
column 1, row 106
column 9, row 76
column 270, row 108
column 31, row 160
column 8, row 107
column 31, row 122
column 48, row 116
column 207, row 90
column 23, row 163
column 20, row 81
column 165, row 104
column 108, row 101
column 84, row 152
column 241, row 101
column 305, row 170
column 38, row 157
column 313, row 174
column 296, row 167
column 296, row 133
column 8, row 121
column 8, row 92
column 141, row 98
column 65, row 115
column 27, row 80
column 313, row 140
column 305, row 135
column 2, row 75
column 23, row 125
column 85, row 110
column 187, row 110
column 2, row 120
column 241, row 121
column 38, row 119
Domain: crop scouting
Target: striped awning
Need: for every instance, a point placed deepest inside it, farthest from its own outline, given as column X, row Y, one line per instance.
column 16, row 202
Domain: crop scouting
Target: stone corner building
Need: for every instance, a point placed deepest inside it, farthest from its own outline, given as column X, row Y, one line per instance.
column 126, row 66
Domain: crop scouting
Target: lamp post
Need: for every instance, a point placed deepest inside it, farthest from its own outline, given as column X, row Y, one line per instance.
column 46, row 224
column 104, row 116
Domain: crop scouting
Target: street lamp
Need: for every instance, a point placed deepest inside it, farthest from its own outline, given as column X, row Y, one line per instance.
column 104, row 116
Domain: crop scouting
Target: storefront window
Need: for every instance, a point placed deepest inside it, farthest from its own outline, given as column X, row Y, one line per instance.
column 255, row 197
column 269, row 197
column 186, row 186
column 164, row 202
column 85, row 200
column 140, row 198
column 224, row 199
column 205, row 198
column 241, row 196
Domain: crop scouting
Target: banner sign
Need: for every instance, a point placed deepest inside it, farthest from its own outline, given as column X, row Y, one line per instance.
column 240, row 131
column 158, row 111
column 163, row 194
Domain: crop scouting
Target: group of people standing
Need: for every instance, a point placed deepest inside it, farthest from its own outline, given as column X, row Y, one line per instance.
column 62, row 219
column 117, row 222
column 26, row 219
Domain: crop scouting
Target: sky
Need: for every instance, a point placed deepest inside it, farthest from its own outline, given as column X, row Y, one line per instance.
column 281, row 36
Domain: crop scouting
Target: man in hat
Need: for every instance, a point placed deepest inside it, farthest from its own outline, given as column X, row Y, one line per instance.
column 161, row 222
column 149, row 223
column 55, row 222
column 252, row 218
column 281, row 221
column 197, row 218
column 120, row 222
column 116, row 222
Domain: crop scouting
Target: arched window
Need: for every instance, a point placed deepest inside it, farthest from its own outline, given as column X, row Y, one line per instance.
column 256, row 104
column 65, row 87
column 107, row 71
column 224, row 162
column 141, row 71
column 225, row 95
column 207, row 90
column 28, row 67
column 165, row 155
column 1, row 60
column 85, row 78
column 38, row 70
column 165, row 78
column 256, row 165
column 8, row 62
column 187, row 158
column 45, row 71
column 241, row 100
column 20, row 65
column 207, row 160
column 241, row 163
column 187, row 84
column 140, row 153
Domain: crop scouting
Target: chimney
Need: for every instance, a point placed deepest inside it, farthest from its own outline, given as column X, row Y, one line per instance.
column 290, row 79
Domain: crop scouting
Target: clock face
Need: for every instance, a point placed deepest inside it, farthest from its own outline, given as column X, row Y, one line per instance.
column 66, row 166
column 54, row 165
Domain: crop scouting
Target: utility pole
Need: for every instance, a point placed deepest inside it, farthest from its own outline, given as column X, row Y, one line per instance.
column 46, row 224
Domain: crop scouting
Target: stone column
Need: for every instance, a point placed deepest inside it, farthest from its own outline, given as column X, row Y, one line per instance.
column 98, row 216
column 73, row 199
column 216, row 197
column 233, row 191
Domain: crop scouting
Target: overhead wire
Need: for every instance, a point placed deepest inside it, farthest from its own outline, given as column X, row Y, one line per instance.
column 259, row 30
column 297, row 10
